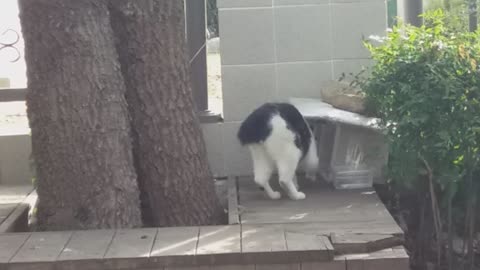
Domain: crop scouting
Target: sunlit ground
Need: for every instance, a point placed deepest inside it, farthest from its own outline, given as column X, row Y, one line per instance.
column 214, row 83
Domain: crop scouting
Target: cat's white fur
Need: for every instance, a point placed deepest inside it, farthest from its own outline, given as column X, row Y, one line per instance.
column 279, row 152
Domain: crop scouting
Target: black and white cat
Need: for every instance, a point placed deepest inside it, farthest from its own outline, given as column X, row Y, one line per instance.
column 278, row 137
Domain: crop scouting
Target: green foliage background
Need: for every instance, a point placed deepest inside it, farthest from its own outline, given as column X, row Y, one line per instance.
column 425, row 87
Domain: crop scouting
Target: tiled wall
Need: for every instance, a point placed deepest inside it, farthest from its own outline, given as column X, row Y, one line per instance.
column 15, row 152
column 276, row 49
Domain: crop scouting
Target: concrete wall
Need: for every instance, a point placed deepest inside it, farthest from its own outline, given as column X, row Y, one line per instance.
column 15, row 150
column 275, row 49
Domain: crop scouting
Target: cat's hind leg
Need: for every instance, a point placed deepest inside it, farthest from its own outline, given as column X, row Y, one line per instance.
column 287, row 163
column 263, row 167
column 295, row 182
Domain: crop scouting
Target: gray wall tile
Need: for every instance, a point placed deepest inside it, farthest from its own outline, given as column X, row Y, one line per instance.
column 303, row 33
column 246, row 36
column 212, row 134
column 351, row 23
column 350, row 66
column 302, row 79
column 15, row 153
column 237, row 157
column 245, row 88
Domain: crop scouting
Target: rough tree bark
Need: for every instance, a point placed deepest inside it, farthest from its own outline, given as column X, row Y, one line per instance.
column 78, row 117
column 169, row 150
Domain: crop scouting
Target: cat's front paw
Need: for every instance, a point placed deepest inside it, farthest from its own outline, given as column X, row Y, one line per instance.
column 298, row 196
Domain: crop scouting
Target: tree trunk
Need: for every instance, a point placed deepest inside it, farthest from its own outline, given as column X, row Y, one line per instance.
column 78, row 116
column 175, row 179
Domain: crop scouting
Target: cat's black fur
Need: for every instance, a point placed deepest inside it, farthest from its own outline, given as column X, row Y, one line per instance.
column 256, row 127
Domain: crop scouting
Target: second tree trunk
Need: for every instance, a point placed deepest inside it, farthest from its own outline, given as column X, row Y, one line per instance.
column 175, row 180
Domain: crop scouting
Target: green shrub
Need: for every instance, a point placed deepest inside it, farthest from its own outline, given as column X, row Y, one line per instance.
column 425, row 87
column 456, row 12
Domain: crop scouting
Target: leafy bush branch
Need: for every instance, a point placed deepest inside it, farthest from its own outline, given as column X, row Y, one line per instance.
column 425, row 88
